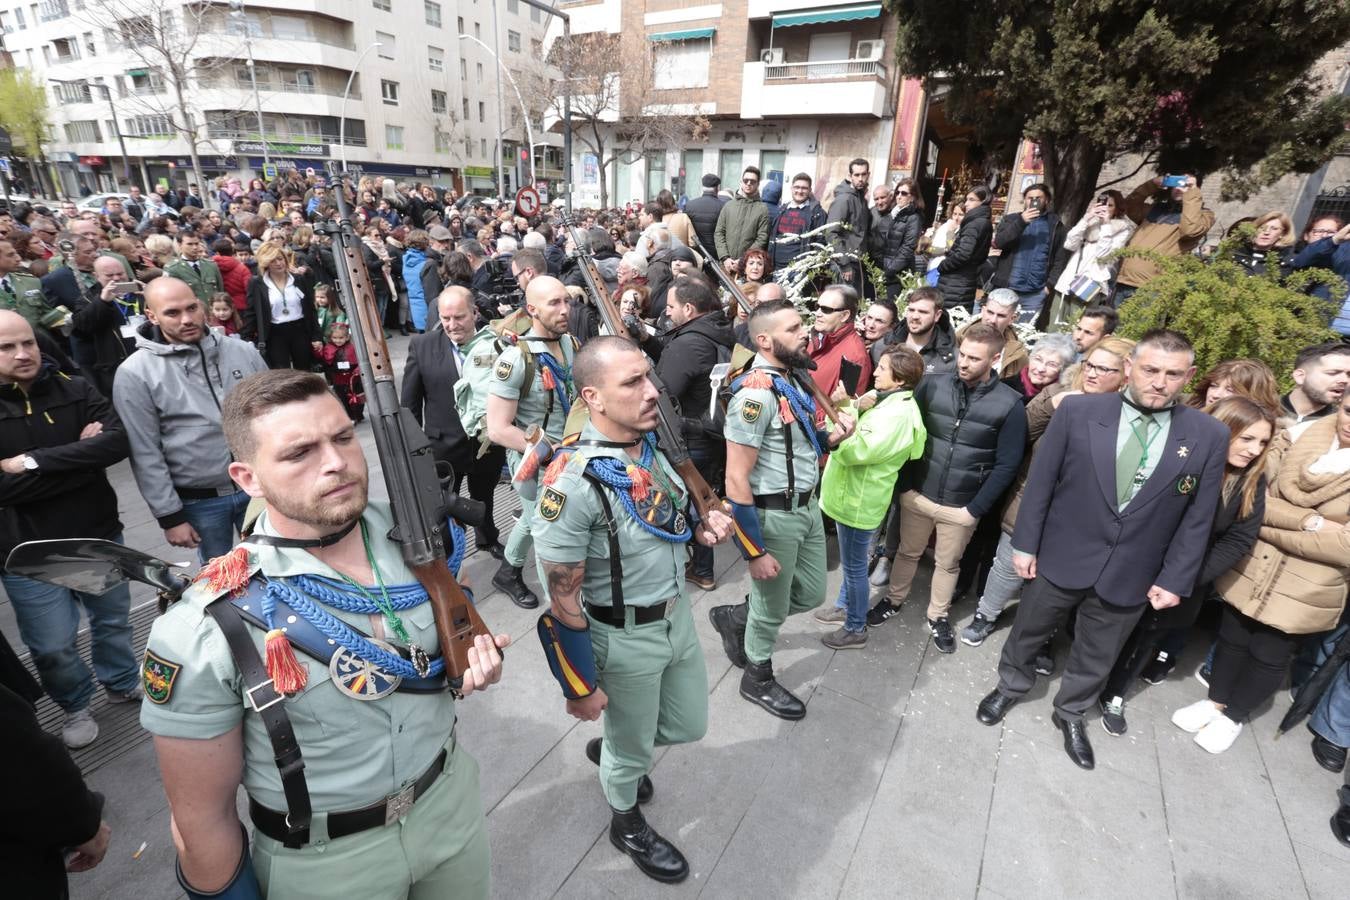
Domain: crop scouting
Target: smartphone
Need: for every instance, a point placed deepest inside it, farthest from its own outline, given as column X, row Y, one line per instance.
column 128, row 287
column 1103, row 199
column 1034, row 203
column 849, row 374
column 1174, row 181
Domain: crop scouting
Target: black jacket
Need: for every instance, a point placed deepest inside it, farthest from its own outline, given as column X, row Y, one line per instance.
column 68, row 495
column 976, row 438
column 1253, row 262
column 703, row 212
column 894, row 238
column 939, row 356
column 96, row 339
column 62, row 287
column 850, row 207
column 429, row 377
column 1008, row 236
column 258, row 314
column 659, row 278
column 958, row 273
column 688, row 356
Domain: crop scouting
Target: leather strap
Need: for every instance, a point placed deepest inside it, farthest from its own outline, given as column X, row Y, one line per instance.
column 642, row 615
column 786, row 501
column 327, row 540
column 615, row 557
column 263, row 698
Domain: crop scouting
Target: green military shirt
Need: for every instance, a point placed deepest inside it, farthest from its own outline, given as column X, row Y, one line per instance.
column 536, row 405
column 753, row 420
column 25, row 297
column 570, row 525
column 356, row 752
column 204, row 283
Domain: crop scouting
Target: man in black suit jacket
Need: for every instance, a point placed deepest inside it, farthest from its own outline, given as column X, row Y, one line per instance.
column 1116, row 515
column 429, row 376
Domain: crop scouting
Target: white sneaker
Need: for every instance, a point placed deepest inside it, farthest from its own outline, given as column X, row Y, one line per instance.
column 1219, row 735
column 1196, row 716
column 79, row 729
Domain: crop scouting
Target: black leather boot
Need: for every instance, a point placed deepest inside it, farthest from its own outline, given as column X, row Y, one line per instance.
column 729, row 621
column 655, row 856
column 1340, row 822
column 760, row 687
column 645, row 787
column 510, row 581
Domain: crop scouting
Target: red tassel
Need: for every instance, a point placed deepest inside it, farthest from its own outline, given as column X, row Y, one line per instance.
column 288, row 676
column 642, row 482
column 546, row 377
column 555, row 468
column 226, row 573
column 758, row 379
column 785, row 411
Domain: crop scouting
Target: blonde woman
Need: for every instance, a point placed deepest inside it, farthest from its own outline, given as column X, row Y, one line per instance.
column 280, row 316
column 1271, row 247
column 161, row 250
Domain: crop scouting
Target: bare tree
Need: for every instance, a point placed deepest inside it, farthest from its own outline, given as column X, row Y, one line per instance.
column 171, row 39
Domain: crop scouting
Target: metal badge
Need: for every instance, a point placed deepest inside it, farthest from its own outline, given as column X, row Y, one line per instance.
column 420, row 661
column 358, row 678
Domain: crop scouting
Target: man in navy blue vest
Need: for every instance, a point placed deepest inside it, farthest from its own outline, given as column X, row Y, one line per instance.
column 1116, row 516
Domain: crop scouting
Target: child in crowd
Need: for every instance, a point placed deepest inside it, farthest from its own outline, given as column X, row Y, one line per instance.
column 223, row 314
column 328, row 308
column 339, row 358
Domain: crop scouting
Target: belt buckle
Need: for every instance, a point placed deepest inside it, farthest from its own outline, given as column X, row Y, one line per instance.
column 396, row 806
column 253, row 701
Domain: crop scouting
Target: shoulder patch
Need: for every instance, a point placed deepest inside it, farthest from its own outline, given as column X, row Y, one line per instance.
column 551, row 504
column 504, row 368
column 750, row 411
column 157, row 676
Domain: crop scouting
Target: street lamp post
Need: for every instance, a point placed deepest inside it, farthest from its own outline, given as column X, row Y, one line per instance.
column 548, row 10
column 237, row 8
column 117, row 128
column 525, row 113
column 342, row 111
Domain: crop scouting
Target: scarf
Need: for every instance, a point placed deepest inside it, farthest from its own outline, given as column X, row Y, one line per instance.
column 1296, row 482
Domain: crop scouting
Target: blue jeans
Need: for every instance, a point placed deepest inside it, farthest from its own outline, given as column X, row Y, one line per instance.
column 855, row 549
column 1031, row 306
column 49, row 622
column 216, row 519
column 701, row 557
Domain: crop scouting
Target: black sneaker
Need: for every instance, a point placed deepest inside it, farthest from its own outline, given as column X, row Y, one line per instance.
column 881, row 612
column 1045, row 659
column 978, row 629
column 1158, row 668
column 943, row 638
column 1113, row 715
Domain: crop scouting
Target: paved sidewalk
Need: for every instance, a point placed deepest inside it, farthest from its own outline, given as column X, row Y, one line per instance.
column 888, row 788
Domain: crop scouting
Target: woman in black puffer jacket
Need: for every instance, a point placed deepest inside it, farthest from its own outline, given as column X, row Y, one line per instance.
column 896, row 236
column 959, row 271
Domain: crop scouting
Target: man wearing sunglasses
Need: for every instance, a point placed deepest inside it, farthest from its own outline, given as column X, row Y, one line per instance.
column 835, row 338
column 743, row 223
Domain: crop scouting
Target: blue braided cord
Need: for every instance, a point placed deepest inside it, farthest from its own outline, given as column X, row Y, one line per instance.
column 613, row 472
column 802, row 404
column 457, row 546
column 560, row 380
column 340, row 632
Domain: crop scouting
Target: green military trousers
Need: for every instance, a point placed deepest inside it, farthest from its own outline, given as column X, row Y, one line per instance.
column 796, row 538
column 657, row 685
column 439, row 850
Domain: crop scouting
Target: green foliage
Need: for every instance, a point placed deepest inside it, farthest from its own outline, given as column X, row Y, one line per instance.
column 23, row 109
column 1228, row 314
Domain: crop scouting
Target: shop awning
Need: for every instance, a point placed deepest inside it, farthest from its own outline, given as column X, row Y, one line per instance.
column 689, row 34
column 834, row 14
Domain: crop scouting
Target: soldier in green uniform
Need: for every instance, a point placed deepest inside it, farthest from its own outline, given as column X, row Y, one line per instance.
column 544, row 356
column 773, row 453
column 22, row 293
column 357, row 784
column 610, row 535
column 192, row 266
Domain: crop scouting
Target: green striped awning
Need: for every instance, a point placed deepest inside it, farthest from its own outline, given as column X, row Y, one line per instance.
column 690, row 34
column 835, row 14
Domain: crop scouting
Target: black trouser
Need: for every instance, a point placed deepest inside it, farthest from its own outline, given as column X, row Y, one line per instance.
column 482, row 475
column 1249, row 664
column 1102, row 630
column 288, row 346
column 1139, row 648
column 711, row 461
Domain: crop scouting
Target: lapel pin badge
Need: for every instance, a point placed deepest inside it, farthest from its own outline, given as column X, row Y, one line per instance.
column 1183, row 452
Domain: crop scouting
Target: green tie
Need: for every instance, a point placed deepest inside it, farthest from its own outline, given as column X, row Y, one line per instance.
column 1130, row 460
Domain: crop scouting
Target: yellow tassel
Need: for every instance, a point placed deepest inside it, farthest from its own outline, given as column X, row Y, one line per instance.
column 288, row 676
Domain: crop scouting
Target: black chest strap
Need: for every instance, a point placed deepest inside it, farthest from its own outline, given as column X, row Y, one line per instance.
column 615, row 557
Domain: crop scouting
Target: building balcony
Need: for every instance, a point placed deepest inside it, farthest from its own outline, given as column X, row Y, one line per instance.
column 845, row 87
column 226, row 134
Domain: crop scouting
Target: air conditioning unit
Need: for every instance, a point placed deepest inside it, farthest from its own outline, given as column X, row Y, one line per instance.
column 871, row 50
column 773, row 56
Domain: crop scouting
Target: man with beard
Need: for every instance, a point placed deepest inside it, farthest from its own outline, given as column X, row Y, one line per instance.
column 1321, row 375
column 610, row 534
column 927, row 331
column 394, row 799
column 773, row 448
column 531, row 385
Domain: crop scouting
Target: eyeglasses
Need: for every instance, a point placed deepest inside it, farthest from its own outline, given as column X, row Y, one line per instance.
column 1094, row 369
column 902, row 193
column 831, row 309
column 1323, row 231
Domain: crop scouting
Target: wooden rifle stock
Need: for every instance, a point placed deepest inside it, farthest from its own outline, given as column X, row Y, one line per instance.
column 407, row 461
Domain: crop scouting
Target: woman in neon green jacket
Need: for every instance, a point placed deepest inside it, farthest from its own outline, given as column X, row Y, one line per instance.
column 859, row 477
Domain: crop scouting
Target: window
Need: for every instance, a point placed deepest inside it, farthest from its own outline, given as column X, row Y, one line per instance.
column 435, row 59
column 389, row 92
column 439, row 103
column 442, row 142
column 433, row 13
column 144, row 82
column 513, row 7
column 515, row 120
column 67, row 49
column 242, row 77
column 463, row 69
column 535, row 15
column 466, row 108
column 468, row 148
column 4, row 22
column 461, row 25
column 148, row 126
column 393, row 137
column 18, row 17
column 47, row 55
column 386, row 5
column 482, row 111
column 386, row 50
column 479, row 71
column 482, row 147
column 537, row 47
column 85, row 132
column 478, row 31
column 681, row 64
column 513, row 41
column 72, row 92
column 89, row 44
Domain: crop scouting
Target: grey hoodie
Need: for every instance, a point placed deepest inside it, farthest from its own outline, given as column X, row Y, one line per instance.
column 171, row 411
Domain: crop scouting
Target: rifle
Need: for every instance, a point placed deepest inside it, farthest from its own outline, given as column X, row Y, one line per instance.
column 418, row 494
column 732, row 288
column 670, row 426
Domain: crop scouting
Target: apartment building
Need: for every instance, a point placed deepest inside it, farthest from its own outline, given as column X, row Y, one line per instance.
column 266, row 83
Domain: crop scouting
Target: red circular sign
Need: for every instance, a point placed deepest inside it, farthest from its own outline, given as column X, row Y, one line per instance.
column 527, row 201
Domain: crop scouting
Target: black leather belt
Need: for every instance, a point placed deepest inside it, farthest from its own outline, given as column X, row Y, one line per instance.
column 642, row 615
column 185, row 493
column 785, row 501
column 392, row 808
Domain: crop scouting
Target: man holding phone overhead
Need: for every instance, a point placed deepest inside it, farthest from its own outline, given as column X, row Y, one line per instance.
column 103, row 322
column 836, row 347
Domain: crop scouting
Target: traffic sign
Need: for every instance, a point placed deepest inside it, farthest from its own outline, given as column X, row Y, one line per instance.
column 269, row 172
column 527, row 201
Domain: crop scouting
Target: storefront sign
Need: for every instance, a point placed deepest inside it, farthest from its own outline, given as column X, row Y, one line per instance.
column 280, row 147
column 479, row 171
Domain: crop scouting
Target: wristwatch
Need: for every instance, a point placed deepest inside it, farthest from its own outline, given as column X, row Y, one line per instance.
column 29, row 463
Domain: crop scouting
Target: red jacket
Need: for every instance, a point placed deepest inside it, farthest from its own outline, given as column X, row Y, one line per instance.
column 334, row 357
column 828, row 349
column 235, row 275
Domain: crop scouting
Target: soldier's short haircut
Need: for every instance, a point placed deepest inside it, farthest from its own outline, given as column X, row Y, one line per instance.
column 259, row 394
